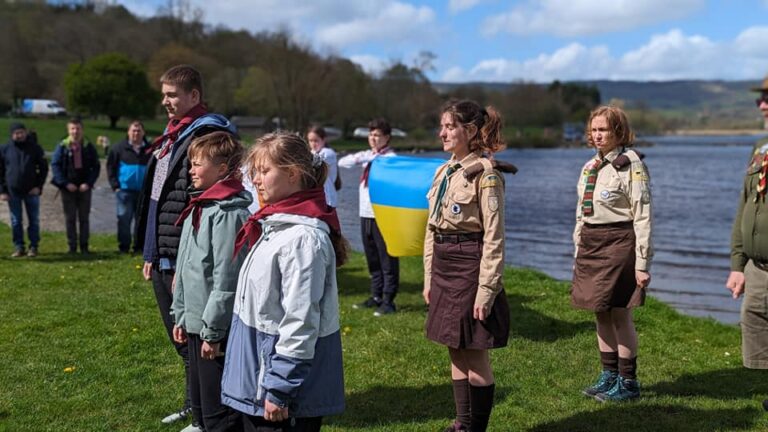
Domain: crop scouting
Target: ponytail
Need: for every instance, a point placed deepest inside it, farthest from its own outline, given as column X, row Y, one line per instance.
column 490, row 132
column 486, row 121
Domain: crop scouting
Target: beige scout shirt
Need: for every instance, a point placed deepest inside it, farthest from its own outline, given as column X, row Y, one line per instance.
column 471, row 207
column 620, row 196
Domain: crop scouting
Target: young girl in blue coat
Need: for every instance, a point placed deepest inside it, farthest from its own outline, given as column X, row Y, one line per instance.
column 283, row 366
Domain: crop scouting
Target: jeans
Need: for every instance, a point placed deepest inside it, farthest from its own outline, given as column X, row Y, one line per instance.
column 32, row 204
column 77, row 210
column 126, row 213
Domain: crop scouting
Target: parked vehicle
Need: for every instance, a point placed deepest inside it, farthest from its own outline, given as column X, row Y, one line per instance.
column 362, row 132
column 42, row 107
column 573, row 132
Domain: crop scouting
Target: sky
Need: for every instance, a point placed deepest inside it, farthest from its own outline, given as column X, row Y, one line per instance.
column 525, row 40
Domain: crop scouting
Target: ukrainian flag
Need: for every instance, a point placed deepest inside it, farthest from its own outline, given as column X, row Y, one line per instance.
column 398, row 186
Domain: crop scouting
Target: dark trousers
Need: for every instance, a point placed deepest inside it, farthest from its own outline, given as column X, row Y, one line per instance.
column 162, row 282
column 126, row 201
column 77, row 209
column 205, row 390
column 384, row 269
column 258, row 424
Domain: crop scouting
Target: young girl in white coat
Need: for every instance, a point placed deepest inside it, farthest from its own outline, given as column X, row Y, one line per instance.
column 284, row 367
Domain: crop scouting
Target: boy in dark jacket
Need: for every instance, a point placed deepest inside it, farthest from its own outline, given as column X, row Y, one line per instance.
column 126, row 166
column 23, row 169
column 75, row 168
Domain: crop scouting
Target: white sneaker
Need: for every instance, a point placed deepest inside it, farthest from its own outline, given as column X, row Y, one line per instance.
column 194, row 427
column 177, row 416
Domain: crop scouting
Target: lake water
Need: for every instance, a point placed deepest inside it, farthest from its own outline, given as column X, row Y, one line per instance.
column 695, row 183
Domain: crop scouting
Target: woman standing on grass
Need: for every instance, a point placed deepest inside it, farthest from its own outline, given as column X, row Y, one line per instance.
column 613, row 249
column 283, row 366
column 464, row 258
column 316, row 138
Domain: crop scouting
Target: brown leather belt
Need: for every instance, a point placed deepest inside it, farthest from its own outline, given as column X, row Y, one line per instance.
column 626, row 224
column 458, row 237
column 761, row 265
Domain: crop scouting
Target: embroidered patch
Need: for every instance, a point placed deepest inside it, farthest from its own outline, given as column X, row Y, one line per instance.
column 455, row 209
column 639, row 176
column 490, row 181
column 605, row 194
column 493, row 202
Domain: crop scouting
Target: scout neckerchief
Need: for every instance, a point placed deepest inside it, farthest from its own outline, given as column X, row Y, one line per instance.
column 761, row 179
column 174, row 128
column 367, row 169
column 589, row 190
column 309, row 203
column 444, row 186
column 221, row 190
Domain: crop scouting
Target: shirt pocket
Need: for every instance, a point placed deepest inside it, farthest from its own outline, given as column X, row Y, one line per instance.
column 463, row 205
column 612, row 192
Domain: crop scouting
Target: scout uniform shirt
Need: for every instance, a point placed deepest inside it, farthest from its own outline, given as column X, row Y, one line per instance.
column 749, row 237
column 470, row 206
column 621, row 195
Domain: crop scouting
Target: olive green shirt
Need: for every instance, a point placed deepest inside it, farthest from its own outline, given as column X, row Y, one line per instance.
column 749, row 237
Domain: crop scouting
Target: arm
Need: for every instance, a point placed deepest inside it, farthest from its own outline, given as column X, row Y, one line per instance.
column 358, row 158
column 302, row 266
column 429, row 239
column 579, row 221
column 95, row 168
column 57, row 166
column 491, row 202
column 42, row 168
column 640, row 199
column 217, row 314
column 113, row 167
column 739, row 259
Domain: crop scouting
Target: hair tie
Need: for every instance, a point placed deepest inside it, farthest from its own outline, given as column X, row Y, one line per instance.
column 317, row 160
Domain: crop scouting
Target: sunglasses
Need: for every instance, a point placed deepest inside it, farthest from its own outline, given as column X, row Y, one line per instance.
column 763, row 98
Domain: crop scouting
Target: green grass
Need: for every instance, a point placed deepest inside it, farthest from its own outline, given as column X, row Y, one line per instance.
column 97, row 317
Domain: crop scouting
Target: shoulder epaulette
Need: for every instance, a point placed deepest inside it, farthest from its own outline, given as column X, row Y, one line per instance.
column 476, row 168
column 625, row 159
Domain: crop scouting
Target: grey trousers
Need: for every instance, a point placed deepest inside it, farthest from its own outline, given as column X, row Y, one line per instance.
column 754, row 318
column 77, row 209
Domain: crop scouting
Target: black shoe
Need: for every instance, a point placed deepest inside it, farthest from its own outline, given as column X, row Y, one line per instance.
column 385, row 309
column 370, row 303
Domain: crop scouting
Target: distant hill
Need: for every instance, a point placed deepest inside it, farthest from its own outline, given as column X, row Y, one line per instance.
column 730, row 99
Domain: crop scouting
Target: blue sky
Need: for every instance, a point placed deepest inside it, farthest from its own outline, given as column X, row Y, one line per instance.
column 530, row 40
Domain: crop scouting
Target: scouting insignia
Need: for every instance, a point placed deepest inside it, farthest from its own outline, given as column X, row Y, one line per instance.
column 490, row 181
column 605, row 194
column 493, row 202
column 455, row 209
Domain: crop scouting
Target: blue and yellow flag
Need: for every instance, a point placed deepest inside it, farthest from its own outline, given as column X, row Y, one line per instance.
column 398, row 186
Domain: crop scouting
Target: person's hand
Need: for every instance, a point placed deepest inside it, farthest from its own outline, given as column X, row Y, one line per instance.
column 643, row 278
column 209, row 351
column 274, row 413
column 4, row 197
column 481, row 312
column 147, row 270
column 735, row 284
column 179, row 335
column 71, row 187
column 84, row 187
column 425, row 293
column 35, row 191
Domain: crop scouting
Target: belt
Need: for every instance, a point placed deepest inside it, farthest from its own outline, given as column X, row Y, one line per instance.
column 761, row 265
column 458, row 237
column 626, row 224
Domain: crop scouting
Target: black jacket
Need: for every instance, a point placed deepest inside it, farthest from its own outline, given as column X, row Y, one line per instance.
column 125, row 167
column 63, row 166
column 23, row 167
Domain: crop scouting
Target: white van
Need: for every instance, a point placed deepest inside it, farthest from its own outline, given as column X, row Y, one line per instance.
column 42, row 107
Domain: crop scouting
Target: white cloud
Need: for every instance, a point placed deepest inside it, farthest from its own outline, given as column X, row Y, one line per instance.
column 668, row 56
column 585, row 17
column 370, row 64
column 396, row 22
column 456, row 6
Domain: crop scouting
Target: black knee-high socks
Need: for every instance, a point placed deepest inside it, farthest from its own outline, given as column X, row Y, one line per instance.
column 461, row 399
column 481, row 399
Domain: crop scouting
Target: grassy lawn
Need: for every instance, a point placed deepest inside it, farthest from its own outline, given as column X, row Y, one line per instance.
column 83, row 349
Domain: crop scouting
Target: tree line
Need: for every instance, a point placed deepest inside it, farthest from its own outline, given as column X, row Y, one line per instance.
column 100, row 59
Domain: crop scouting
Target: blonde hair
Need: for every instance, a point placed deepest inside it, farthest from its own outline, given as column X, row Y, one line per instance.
column 618, row 123
column 219, row 147
column 286, row 150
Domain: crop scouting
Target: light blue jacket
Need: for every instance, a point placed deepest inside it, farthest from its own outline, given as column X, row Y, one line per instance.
column 206, row 274
column 284, row 342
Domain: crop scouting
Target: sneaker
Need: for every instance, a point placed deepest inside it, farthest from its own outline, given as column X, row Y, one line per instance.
column 183, row 414
column 385, row 309
column 604, row 382
column 32, row 252
column 623, row 390
column 194, row 427
column 371, row 302
column 18, row 253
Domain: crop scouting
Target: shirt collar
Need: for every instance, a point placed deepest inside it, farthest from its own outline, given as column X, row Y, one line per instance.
column 613, row 154
column 471, row 157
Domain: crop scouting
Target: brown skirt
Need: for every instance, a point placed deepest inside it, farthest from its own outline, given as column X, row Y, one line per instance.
column 604, row 274
column 450, row 320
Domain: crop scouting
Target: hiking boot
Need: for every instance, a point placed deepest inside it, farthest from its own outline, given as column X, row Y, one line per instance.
column 371, row 302
column 18, row 253
column 604, row 382
column 385, row 308
column 32, row 252
column 180, row 415
column 623, row 390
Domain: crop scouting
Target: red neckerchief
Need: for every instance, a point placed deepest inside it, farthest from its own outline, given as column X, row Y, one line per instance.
column 221, row 190
column 309, row 203
column 367, row 169
column 174, row 128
